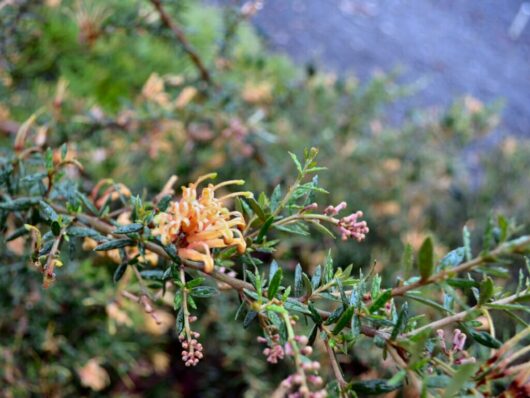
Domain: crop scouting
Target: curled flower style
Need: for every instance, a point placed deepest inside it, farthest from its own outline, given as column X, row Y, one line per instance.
column 198, row 223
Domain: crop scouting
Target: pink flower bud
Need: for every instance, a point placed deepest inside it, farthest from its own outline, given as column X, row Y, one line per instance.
column 303, row 340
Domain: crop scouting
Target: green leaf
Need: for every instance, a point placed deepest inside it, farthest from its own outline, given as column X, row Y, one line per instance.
column 114, row 244
column 462, row 283
column 298, row 228
column 194, row 282
column 323, row 229
column 482, row 338
column 180, row 322
column 295, row 305
column 342, row 293
column 313, row 335
column 308, row 287
column 153, row 274
column 275, row 283
column 355, row 326
column 428, row 302
column 509, row 307
column 355, row 296
column 47, row 211
column 375, row 288
column 488, row 239
column 120, row 271
column 453, row 258
column 335, row 315
column 19, row 204
column 317, row 275
column 250, row 293
column 87, row 203
column 258, row 210
column 328, row 268
column 204, row 291
column 297, row 163
column 82, row 232
column 56, row 228
column 426, row 259
column 264, row 229
column 164, row 203
column 129, row 229
column 381, row 300
column 314, row 314
column 459, row 379
column 276, row 308
column 401, row 322
column 344, row 320
column 17, row 233
column 467, row 243
column 276, row 197
column 251, row 315
column 64, row 151
column 373, row 387
column 504, row 228
column 487, row 289
column 191, row 302
column 298, row 283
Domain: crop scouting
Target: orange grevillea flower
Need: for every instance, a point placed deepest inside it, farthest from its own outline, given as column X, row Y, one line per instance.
column 198, row 223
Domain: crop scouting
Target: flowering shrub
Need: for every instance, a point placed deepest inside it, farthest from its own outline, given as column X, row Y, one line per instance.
column 210, row 291
column 192, row 234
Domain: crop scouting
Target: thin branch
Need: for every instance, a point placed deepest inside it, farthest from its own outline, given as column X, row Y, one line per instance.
column 506, row 248
column 107, row 229
column 459, row 316
column 50, row 263
column 240, row 285
column 181, row 37
column 416, row 384
column 337, row 371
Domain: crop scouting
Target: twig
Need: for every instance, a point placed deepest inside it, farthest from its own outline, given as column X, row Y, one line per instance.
column 505, row 248
column 402, row 364
column 240, row 285
column 459, row 316
column 50, row 263
column 337, row 371
column 144, row 301
column 181, row 37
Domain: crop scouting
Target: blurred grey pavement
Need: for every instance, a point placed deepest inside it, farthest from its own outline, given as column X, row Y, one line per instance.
column 455, row 47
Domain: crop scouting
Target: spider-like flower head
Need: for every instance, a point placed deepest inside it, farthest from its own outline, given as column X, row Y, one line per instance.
column 198, row 223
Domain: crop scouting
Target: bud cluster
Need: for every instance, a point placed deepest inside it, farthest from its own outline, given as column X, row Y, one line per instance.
column 349, row 226
column 305, row 382
column 457, row 355
column 191, row 348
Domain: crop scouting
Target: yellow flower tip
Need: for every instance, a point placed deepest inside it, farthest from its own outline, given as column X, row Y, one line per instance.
column 30, row 227
column 209, row 176
column 241, row 247
column 208, row 265
column 247, row 194
column 229, row 182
